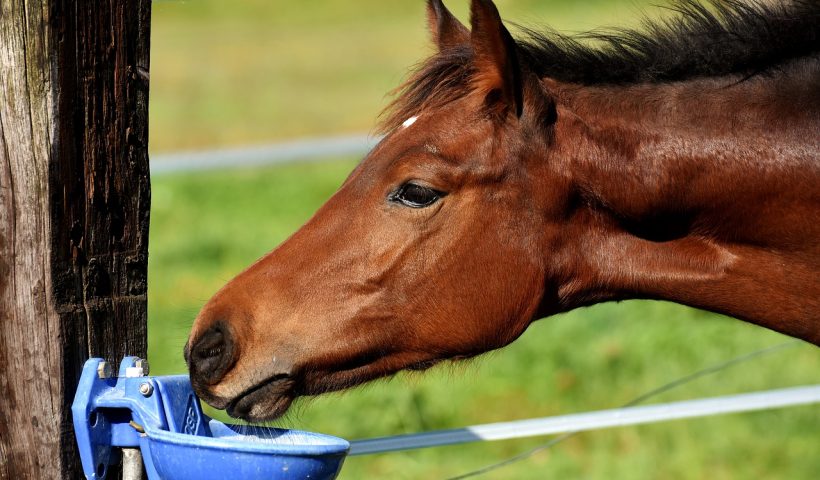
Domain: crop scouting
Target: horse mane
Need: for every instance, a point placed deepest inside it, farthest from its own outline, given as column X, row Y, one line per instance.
column 716, row 38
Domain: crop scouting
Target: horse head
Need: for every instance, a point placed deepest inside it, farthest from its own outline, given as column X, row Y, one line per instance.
column 430, row 250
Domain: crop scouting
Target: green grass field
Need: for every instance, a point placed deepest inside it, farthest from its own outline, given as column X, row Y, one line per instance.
column 250, row 71
column 226, row 73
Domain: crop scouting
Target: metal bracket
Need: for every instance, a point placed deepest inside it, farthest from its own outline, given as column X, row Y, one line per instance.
column 112, row 412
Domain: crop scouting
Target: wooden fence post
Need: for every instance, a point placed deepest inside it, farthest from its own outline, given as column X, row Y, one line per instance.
column 74, row 207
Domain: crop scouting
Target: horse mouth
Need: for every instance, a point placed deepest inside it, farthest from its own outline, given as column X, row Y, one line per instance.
column 264, row 401
column 272, row 397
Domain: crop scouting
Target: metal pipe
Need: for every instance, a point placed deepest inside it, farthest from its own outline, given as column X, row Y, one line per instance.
column 593, row 420
column 132, row 468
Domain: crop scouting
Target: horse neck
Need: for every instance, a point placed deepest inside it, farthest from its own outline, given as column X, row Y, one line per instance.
column 702, row 192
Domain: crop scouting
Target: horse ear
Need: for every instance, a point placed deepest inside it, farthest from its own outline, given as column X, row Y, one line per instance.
column 496, row 63
column 446, row 30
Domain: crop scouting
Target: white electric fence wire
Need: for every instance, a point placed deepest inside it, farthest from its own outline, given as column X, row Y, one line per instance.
column 605, row 418
column 618, row 417
column 307, row 150
column 712, row 369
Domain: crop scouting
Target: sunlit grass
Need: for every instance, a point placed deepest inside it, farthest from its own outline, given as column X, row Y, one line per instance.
column 227, row 73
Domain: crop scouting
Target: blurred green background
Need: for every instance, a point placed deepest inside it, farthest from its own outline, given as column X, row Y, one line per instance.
column 255, row 71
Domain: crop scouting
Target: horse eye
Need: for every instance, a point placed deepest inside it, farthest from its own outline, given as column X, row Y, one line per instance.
column 416, row 196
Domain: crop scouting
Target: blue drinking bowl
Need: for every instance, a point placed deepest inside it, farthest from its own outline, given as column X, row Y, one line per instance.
column 235, row 451
column 162, row 417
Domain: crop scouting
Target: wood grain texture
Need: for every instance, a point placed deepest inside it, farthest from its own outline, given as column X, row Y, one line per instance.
column 74, row 207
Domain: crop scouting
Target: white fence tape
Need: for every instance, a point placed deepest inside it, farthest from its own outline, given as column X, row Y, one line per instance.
column 593, row 420
column 254, row 156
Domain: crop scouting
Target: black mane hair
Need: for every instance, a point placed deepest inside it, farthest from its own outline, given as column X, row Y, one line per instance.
column 717, row 38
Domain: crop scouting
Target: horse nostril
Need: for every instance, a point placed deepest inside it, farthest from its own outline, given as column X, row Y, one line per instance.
column 211, row 355
column 210, row 345
column 213, row 352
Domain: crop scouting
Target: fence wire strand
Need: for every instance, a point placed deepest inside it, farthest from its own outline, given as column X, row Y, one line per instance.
column 635, row 401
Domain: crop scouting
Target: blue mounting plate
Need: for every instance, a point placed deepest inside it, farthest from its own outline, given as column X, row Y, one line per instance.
column 162, row 417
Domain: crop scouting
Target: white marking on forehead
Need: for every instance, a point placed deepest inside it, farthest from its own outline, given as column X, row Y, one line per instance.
column 409, row 122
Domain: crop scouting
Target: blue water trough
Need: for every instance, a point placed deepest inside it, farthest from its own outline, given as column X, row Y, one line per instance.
column 161, row 416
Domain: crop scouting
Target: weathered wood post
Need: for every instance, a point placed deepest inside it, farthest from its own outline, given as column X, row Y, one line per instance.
column 74, row 206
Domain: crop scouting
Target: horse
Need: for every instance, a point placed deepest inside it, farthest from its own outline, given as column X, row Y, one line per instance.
column 522, row 177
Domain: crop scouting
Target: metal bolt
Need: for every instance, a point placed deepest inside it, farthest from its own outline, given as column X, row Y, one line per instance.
column 146, row 389
column 104, row 370
column 143, row 364
column 139, row 369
